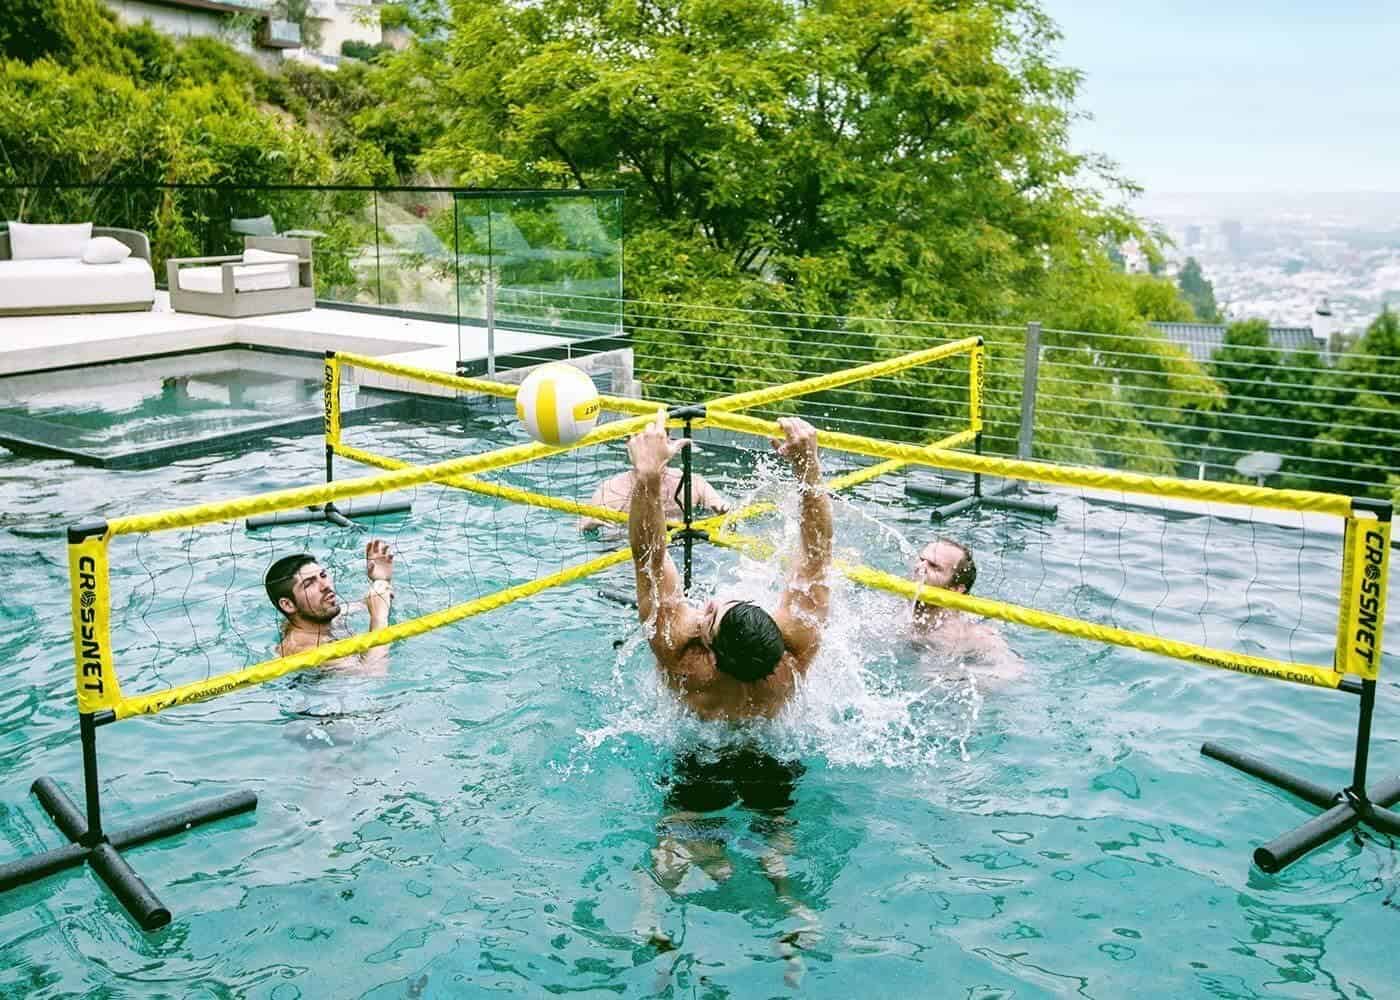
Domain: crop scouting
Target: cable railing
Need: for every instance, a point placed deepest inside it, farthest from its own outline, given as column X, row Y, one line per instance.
column 504, row 265
column 1133, row 400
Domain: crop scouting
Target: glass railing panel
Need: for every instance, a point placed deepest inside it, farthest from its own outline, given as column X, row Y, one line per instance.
column 417, row 259
column 545, row 263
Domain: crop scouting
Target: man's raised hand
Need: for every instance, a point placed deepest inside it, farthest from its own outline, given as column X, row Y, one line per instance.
column 800, row 448
column 651, row 448
column 379, row 561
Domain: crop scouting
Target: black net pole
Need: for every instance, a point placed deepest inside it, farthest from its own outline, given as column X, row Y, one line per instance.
column 686, row 508
column 1363, row 739
column 977, row 476
column 87, row 730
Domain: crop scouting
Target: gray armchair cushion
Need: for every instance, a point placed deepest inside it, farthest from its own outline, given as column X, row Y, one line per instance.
column 260, row 226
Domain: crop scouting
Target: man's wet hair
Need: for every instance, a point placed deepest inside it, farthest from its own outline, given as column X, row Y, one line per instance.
column 965, row 572
column 748, row 643
column 278, row 581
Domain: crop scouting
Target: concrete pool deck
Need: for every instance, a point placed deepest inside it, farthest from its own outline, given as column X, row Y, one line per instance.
column 31, row 344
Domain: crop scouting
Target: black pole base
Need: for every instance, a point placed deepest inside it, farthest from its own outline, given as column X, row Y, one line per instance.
column 105, row 855
column 950, row 502
column 1343, row 809
column 343, row 514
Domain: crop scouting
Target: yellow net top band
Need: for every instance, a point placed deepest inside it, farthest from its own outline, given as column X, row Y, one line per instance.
column 308, row 496
column 1298, row 673
column 819, row 383
column 1062, row 475
column 461, row 383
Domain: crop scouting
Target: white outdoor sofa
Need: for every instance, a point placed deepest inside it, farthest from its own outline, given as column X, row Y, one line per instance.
column 45, row 286
column 272, row 275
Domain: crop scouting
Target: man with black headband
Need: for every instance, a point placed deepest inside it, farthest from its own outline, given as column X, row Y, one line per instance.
column 729, row 659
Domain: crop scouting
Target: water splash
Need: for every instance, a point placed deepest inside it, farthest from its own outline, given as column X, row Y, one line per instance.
column 869, row 700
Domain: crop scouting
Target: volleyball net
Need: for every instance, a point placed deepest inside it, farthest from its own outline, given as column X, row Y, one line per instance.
column 214, row 560
column 159, row 621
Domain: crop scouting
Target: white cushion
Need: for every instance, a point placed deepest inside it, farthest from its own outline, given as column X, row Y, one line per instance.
column 255, row 256
column 105, row 250
column 38, row 242
column 246, row 278
column 50, row 281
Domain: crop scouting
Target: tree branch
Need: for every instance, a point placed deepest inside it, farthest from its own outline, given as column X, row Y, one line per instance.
column 573, row 167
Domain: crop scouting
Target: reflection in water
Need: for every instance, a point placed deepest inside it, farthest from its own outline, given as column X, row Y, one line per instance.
column 704, row 781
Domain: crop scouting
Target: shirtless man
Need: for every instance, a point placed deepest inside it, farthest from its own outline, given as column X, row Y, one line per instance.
column 313, row 613
column 729, row 659
column 616, row 492
column 948, row 564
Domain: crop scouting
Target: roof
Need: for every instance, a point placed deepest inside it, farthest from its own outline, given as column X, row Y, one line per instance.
column 1201, row 339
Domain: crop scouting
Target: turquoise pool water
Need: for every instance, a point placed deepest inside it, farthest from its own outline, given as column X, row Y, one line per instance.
column 146, row 414
column 484, row 821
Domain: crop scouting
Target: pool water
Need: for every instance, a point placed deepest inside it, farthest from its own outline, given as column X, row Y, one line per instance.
column 492, row 818
column 142, row 414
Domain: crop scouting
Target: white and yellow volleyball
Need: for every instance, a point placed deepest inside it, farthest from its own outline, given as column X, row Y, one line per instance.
column 557, row 403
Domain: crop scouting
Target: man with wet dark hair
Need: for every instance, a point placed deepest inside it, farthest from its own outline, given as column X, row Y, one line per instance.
column 730, row 659
column 313, row 614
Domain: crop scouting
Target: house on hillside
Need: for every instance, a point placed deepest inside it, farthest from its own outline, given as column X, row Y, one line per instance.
column 1200, row 340
column 261, row 28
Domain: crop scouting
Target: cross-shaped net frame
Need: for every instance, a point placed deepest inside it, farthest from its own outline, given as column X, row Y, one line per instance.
column 1362, row 591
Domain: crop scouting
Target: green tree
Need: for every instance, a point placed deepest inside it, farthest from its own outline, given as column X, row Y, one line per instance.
column 1361, row 440
column 889, row 160
column 71, row 32
column 919, row 152
column 1198, row 292
column 1247, row 366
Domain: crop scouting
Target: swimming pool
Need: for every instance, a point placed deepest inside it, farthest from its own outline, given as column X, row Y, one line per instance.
column 483, row 821
column 147, row 413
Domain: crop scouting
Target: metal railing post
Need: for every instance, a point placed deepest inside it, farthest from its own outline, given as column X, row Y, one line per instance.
column 490, row 321
column 1029, row 379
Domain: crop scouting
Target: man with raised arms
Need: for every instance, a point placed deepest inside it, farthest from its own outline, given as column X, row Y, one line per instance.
column 729, row 659
column 616, row 492
column 313, row 614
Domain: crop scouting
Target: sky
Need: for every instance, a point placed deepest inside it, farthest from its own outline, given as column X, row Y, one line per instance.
column 1239, row 95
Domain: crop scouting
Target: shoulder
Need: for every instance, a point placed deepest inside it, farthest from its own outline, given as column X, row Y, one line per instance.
column 293, row 644
column 691, row 663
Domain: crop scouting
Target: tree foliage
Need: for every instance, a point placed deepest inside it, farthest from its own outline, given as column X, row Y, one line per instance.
column 783, row 163
column 1360, row 437
column 883, row 153
column 1198, row 292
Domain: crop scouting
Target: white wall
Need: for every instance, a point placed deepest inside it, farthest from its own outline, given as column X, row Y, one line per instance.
column 342, row 21
column 179, row 22
column 338, row 20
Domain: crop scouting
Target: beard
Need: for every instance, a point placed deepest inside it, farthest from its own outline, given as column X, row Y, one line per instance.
column 321, row 617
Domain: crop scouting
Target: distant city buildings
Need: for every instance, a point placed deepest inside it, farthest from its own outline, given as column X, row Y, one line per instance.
column 1233, row 231
column 1134, row 258
column 1280, row 262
